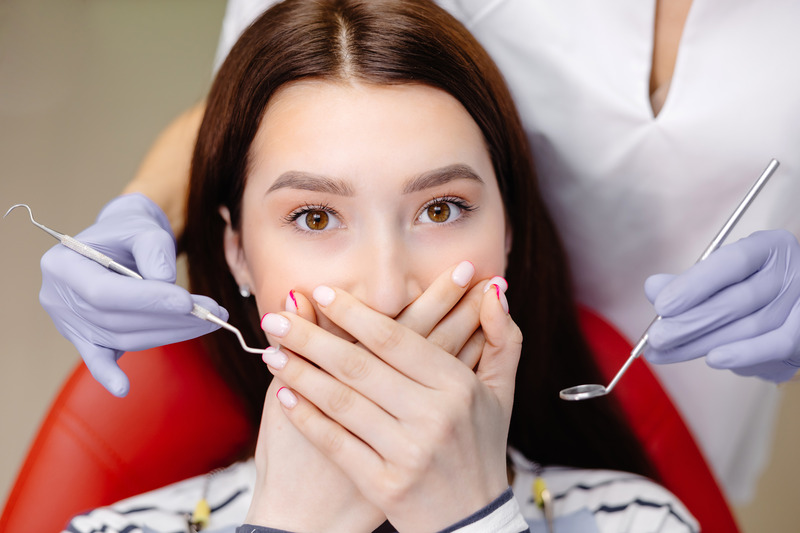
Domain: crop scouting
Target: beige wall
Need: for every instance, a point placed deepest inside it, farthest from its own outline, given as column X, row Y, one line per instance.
column 85, row 85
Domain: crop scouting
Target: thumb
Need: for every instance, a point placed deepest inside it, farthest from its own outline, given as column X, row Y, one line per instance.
column 503, row 343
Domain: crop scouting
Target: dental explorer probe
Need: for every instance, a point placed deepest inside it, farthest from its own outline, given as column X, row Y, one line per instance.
column 584, row 392
column 87, row 251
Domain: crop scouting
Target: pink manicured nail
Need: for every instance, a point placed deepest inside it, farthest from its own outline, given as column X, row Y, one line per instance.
column 275, row 324
column 274, row 358
column 501, row 283
column 323, row 295
column 463, row 273
column 287, row 397
column 501, row 296
column 291, row 303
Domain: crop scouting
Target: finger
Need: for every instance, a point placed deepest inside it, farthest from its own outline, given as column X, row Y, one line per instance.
column 726, row 266
column 401, row 348
column 498, row 364
column 209, row 304
column 298, row 304
column 154, row 254
column 764, row 320
column 102, row 364
column 97, row 288
column 352, row 455
column 339, row 402
column 470, row 353
column 353, row 365
column 455, row 329
column 775, row 371
column 438, row 299
column 733, row 303
column 655, row 284
column 779, row 344
column 149, row 326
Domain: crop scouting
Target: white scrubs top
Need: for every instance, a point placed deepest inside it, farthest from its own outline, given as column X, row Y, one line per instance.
column 633, row 194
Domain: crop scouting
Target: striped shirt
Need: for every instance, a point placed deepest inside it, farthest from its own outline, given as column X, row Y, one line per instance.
column 583, row 500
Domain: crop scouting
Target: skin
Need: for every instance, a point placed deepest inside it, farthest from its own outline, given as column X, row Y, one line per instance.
column 670, row 20
column 386, row 422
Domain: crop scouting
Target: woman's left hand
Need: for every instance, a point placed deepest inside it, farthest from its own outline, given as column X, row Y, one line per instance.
column 420, row 434
column 740, row 308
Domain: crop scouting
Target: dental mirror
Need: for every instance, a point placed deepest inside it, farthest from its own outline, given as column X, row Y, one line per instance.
column 585, row 392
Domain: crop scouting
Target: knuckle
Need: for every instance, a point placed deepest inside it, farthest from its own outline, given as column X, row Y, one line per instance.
column 355, row 367
column 393, row 488
column 332, row 441
column 417, row 458
column 387, row 335
column 341, row 400
column 515, row 335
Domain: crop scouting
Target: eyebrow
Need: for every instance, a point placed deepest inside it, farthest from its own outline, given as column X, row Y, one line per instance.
column 306, row 181
column 440, row 176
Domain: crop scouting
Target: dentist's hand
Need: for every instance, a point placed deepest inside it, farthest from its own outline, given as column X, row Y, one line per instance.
column 105, row 314
column 740, row 308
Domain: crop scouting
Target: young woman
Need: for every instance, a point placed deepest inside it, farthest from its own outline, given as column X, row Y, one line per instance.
column 362, row 172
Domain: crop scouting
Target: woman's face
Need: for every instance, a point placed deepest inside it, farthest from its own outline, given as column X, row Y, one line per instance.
column 373, row 189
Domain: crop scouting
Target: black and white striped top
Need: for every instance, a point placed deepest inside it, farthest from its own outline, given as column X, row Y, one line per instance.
column 588, row 501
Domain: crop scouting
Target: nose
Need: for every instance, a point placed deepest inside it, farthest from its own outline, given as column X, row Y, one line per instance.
column 382, row 275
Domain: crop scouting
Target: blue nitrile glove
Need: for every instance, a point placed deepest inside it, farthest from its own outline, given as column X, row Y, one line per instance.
column 740, row 308
column 105, row 314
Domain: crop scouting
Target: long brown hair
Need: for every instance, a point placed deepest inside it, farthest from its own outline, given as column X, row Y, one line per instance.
column 388, row 42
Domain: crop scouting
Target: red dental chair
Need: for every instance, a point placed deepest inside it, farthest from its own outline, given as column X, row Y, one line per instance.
column 93, row 449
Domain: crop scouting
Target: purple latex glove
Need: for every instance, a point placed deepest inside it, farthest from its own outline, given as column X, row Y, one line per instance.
column 105, row 314
column 740, row 308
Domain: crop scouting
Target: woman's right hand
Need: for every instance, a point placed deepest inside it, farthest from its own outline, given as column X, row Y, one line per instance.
column 294, row 476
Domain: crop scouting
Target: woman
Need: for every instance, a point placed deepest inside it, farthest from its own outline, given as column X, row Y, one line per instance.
column 354, row 152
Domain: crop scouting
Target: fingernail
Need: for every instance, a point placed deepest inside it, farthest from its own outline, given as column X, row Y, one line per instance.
column 500, row 281
column 291, row 303
column 501, row 296
column 274, row 358
column 323, row 295
column 275, row 324
column 463, row 273
column 287, row 397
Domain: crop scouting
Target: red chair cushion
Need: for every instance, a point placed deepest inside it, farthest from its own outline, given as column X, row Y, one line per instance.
column 179, row 420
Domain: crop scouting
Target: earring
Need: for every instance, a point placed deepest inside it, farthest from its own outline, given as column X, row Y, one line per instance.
column 244, row 290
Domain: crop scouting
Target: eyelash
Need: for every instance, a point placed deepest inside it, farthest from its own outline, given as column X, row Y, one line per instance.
column 292, row 217
column 465, row 207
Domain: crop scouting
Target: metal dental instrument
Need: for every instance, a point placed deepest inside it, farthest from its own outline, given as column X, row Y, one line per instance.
column 584, row 392
column 89, row 252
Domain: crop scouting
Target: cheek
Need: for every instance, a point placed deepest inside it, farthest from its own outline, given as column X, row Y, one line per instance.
column 275, row 274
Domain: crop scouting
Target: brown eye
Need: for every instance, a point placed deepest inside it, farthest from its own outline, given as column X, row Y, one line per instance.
column 317, row 220
column 439, row 212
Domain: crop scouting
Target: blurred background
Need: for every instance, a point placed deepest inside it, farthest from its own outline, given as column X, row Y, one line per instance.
column 85, row 87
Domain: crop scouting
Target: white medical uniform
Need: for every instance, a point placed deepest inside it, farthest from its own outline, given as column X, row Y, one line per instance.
column 634, row 194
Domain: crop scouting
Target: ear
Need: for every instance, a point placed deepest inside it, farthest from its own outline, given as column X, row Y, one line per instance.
column 234, row 253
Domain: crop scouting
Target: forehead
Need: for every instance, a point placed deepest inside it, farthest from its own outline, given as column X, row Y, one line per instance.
column 358, row 130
